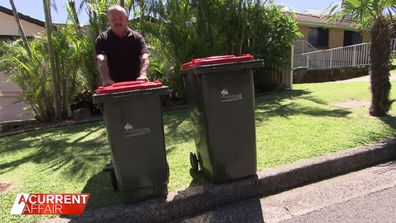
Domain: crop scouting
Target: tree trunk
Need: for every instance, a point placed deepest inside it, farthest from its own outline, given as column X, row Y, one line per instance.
column 51, row 54
column 130, row 8
column 380, row 66
column 20, row 28
column 73, row 14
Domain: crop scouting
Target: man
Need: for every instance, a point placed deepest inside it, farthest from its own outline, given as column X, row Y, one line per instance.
column 121, row 53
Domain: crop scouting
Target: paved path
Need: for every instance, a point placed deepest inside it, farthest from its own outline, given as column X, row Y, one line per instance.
column 367, row 195
column 367, row 78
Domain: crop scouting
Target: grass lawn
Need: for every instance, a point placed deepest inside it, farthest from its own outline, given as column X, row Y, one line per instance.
column 291, row 126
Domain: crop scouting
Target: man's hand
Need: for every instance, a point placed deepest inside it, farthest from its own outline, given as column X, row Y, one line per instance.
column 108, row 82
column 101, row 61
column 143, row 77
column 144, row 63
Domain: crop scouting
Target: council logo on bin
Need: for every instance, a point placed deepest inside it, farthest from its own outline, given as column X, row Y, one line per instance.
column 226, row 97
column 224, row 92
column 130, row 131
column 128, row 127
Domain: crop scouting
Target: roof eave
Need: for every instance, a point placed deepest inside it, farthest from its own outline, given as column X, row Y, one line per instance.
column 326, row 25
column 22, row 16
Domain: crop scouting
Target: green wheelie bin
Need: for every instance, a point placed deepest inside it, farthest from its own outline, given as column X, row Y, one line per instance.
column 220, row 91
column 133, row 120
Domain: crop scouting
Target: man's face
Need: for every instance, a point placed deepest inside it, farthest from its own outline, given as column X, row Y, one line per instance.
column 118, row 22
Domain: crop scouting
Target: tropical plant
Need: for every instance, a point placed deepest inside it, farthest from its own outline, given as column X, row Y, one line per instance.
column 20, row 28
column 179, row 30
column 191, row 29
column 51, row 54
column 376, row 14
column 73, row 16
column 68, row 60
column 33, row 74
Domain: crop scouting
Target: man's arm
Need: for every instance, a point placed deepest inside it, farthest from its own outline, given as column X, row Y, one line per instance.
column 144, row 63
column 101, row 61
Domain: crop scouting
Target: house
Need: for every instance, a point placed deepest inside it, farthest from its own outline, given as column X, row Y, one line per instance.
column 9, row 28
column 321, row 33
column 11, row 107
column 329, row 49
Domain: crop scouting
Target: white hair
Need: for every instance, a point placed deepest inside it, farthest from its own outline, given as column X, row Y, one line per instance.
column 116, row 8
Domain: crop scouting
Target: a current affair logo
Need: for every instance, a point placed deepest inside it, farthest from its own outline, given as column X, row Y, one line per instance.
column 59, row 204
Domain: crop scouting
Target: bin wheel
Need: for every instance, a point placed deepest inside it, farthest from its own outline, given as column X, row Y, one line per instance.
column 113, row 180
column 194, row 162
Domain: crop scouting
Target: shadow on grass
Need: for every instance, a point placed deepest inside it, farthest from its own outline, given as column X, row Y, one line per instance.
column 174, row 133
column 102, row 194
column 389, row 120
column 56, row 152
column 76, row 157
column 198, row 178
column 101, row 191
column 271, row 106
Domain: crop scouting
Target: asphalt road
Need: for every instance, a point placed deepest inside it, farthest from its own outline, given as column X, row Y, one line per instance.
column 367, row 195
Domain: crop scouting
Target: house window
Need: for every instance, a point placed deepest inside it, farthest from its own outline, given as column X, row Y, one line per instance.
column 319, row 37
column 351, row 38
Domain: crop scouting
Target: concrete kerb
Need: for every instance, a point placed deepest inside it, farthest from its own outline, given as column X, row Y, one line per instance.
column 195, row 200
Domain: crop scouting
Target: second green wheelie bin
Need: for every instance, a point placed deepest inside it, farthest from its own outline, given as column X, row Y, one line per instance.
column 220, row 91
column 133, row 119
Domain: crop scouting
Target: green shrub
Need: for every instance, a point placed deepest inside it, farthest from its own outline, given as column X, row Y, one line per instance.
column 185, row 30
column 33, row 74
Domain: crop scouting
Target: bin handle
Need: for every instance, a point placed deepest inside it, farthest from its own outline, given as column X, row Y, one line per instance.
column 128, row 83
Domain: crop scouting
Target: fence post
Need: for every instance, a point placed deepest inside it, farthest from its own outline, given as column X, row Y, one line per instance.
column 354, row 56
column 331, row 59
column 290, row 83
column 307, row 58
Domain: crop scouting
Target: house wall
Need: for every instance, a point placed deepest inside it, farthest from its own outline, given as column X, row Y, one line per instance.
column 8, row 26
column 304, row 31
column 336, row 36
column 11, row 107
column 366, row 37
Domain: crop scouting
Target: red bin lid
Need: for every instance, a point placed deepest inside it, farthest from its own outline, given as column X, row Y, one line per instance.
column 128, row 86
column 217, row 60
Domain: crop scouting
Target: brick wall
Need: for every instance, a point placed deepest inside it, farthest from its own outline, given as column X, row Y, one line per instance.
column 304, row 30
column 336, row 36
column 366, row 37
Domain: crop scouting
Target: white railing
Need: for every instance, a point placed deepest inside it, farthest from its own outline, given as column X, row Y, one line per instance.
column 349, row 56
column 303, row 46
column 300, row 61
